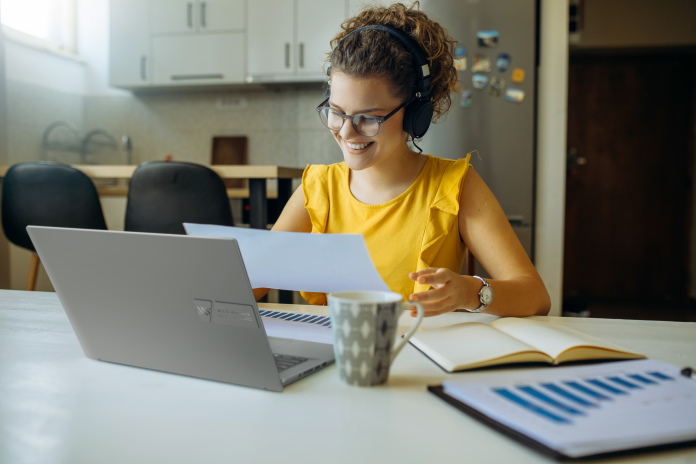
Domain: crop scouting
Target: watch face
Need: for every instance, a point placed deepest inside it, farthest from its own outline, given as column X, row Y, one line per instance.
column 486, row 295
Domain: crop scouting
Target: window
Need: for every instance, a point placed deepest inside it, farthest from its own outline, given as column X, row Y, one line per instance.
column 41, row 23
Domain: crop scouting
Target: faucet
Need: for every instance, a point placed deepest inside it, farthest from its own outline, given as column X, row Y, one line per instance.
column 128, row 148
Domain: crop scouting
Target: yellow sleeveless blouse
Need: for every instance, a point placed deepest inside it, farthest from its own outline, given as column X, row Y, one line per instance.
column 416, row 230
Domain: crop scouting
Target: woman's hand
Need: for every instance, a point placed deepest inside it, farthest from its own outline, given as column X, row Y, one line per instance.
column 449, row 291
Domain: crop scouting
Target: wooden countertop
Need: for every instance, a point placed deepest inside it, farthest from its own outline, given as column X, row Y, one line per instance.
column 99, row 171
column 122, row 191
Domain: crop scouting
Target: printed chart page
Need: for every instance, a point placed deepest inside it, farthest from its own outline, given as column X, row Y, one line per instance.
column 589, row 409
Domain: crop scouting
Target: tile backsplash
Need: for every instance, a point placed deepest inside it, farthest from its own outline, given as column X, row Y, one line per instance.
column 282, row 126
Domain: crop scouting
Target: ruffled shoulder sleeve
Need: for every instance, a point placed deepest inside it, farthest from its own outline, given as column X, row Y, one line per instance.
column 318, row 184
column 315, row 186
column 442, row 224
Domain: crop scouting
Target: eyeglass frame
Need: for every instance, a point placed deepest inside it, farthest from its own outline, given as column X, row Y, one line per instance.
column 344, row 116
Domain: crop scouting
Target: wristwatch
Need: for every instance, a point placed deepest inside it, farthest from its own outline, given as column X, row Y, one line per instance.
column 485, row 296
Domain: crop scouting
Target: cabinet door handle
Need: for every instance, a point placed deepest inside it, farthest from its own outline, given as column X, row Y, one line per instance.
column 301, row 54
column 203, row 21
column 143, row 67
column 189, row 15
column 287, row 54
column 186, row 77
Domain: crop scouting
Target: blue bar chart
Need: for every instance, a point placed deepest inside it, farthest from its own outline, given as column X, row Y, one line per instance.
column 561, row 402
column 586, row 409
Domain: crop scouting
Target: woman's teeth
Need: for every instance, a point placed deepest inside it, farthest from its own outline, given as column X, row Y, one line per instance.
column 357, row 146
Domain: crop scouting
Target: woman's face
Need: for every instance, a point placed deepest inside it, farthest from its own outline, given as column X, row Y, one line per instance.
column 372, row 95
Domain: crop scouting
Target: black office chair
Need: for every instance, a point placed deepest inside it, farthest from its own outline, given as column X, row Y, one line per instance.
column 47, row 194
column 162, row 195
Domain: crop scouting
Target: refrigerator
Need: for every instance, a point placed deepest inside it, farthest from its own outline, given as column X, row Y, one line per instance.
column 493, row 112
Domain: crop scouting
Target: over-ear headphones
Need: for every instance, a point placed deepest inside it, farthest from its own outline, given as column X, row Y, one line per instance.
column 419, row 112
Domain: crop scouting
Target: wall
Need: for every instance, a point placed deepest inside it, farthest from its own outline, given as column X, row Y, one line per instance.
column 33, row 101
column 4, row 246
column 637, row 23
column 551, row 149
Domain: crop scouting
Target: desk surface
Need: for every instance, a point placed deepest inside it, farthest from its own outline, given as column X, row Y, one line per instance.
column 100, row 171
column 57, row 406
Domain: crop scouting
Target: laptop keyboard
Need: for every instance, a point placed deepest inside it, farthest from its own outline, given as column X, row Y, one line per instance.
column 309, row 318
column 285, row 361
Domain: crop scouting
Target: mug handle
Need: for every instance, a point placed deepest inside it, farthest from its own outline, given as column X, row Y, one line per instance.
column 413, row 328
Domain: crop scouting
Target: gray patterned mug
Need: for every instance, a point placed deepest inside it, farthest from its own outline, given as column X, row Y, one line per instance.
column 364, row 330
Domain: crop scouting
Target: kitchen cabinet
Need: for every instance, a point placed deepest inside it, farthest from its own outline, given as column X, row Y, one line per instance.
column 160, row 43
column 194, row 16
column 197, row 42
column 291, row 44
column 129, row 44
column 198, row 60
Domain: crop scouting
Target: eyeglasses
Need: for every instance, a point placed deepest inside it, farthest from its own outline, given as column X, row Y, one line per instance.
column 364, row 124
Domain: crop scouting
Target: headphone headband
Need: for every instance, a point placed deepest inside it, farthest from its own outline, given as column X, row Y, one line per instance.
column 420, row 59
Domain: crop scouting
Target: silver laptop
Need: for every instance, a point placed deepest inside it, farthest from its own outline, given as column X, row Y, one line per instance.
column 174, row 303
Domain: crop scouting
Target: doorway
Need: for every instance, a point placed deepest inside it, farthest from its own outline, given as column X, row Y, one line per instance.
column 628, row 195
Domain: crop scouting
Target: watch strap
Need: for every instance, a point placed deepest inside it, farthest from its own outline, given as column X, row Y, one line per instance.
column 483, row 305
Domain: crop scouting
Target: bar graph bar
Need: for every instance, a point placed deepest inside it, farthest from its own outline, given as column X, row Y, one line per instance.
column 521, row 401
column 564, row 401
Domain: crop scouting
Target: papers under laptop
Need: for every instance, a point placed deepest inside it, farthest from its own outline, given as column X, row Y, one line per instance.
column 173, row 303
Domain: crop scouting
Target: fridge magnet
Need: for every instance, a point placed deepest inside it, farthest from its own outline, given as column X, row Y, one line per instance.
column 481, row 63
column 487, row 38
column 517, row 75
column 503, row 62
column 496, row 87
column 514, row 95
column 460, row 58
column 479, row 81
column 465, row 99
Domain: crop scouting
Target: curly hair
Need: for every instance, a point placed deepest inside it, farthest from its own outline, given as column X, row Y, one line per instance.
column 375, row 53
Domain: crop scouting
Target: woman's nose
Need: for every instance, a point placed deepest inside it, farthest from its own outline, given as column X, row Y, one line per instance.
column 347, row 130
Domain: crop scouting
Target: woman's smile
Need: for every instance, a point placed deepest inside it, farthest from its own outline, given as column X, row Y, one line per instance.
column 358, row 146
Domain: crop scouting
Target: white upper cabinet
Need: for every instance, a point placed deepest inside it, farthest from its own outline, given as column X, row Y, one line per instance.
column 130, row 62
column 164, row 43
column 288, row 39
column 192, row 16
column 203, row 59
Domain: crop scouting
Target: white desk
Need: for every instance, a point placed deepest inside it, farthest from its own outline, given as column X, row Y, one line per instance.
column 57, row 406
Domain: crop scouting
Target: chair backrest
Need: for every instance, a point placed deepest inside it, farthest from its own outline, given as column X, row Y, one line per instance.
column 47, row 194
column 162, row 195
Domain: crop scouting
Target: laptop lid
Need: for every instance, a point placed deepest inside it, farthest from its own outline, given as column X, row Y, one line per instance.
column 173, row 303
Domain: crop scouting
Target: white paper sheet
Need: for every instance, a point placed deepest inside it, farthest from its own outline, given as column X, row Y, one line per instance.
column 587, row 409
column 300, row 261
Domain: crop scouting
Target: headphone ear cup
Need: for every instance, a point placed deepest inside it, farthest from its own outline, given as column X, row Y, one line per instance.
column 417, row 118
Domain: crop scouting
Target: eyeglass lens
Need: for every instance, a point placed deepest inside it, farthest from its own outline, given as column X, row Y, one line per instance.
column 364, row 124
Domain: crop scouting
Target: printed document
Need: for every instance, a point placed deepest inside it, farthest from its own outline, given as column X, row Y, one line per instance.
column 586, row 410
column 322, row 263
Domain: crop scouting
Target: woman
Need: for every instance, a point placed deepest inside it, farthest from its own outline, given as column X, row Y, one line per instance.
column 391, row 72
